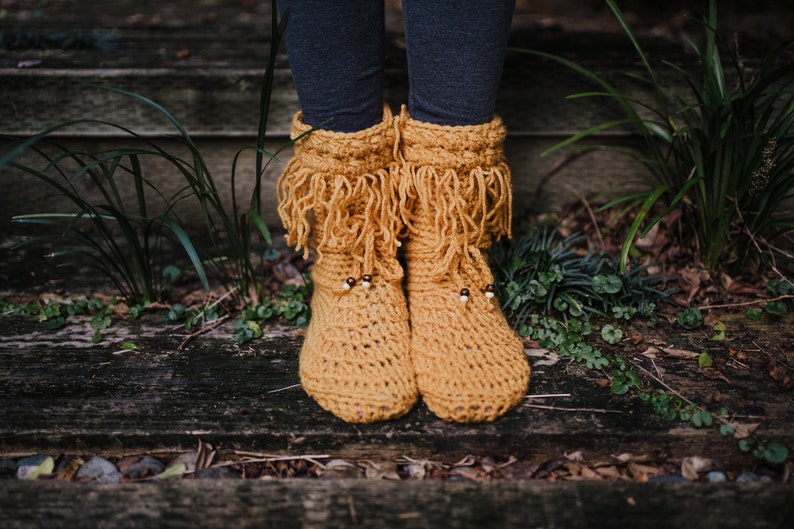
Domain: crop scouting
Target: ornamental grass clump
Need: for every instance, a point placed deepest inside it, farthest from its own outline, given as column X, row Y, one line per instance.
column 130, row 239
column 721, row 149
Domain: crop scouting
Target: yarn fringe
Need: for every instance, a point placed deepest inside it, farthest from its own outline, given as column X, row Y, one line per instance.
column 464, row 212
column 352, row 214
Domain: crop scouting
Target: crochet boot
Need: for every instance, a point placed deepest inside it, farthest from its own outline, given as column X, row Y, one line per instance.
column 355, row 359
column 455, row 197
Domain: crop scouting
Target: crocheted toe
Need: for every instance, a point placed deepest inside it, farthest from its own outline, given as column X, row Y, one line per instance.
column 470, row 366
column 355, row 359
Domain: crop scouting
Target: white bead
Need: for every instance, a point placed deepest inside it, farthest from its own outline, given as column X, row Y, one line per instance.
column 346, row 286
column 489, row 295
column 366, row 284
column 464, row 299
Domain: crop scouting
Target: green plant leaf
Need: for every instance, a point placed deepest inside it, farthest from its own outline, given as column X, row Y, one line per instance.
column 705, row 360
column 56, row 323
column 726, row 429
column 260, row 225
column 611, row 334
column 690, row 318
column 774, row 453
column 753, row 314
column 701, row 418
column 173, row 472
column 776, row 308
column 719, row 334
column 610, row 284
column 639, row 217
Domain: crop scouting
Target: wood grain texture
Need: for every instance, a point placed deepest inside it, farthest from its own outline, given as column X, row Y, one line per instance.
column 352, row 503
column 62, row 393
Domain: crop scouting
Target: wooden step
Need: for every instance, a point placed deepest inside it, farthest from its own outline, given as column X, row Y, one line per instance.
column 204, row 65
column 376, row 505
column 64, row 393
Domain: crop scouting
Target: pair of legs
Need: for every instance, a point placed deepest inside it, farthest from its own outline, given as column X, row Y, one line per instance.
column 434, row 177
column 455, row 51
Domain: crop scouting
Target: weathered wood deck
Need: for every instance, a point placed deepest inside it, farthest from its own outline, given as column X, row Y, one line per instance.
column 62, row 392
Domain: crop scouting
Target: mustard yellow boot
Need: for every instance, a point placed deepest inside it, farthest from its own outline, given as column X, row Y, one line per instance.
column 340, row 188
column 455, row 198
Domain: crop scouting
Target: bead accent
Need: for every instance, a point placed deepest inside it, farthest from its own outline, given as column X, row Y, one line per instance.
column 464, row 295
column 366, row 281
column 349, row 283
column 490, row 290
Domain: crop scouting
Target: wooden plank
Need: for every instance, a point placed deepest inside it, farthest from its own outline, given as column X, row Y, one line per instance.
column 63, row 393
column 223, row 102
column 602, row 173
column 351, row 503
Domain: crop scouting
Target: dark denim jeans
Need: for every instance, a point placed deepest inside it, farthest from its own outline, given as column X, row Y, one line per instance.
column 455, row 56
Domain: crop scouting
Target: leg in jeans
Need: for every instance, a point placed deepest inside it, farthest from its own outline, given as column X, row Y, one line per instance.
column 456, row 51
column 336, row 53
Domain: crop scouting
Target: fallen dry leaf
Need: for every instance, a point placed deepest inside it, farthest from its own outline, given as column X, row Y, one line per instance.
column 205, row 455
column 610, row 472
column 780, row 374
column 669, row 352
column 520, row 470
column 340, row 469
column 713, row 373
column 381, row 470
column 742, row 431
column 643, row 472
column 627, row 457
column 692, row 467
column 470, row 473
column 68, row 472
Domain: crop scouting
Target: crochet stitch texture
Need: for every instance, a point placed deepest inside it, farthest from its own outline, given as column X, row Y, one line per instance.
column 338, row 192
column 455, row 197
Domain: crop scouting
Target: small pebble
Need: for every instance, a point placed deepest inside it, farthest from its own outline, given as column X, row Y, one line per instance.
column 747, row 477
column 668, row 478
column 98, row 469
column 716, row 476
column 145, row 468
column 27, row 465
column 188, row 459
